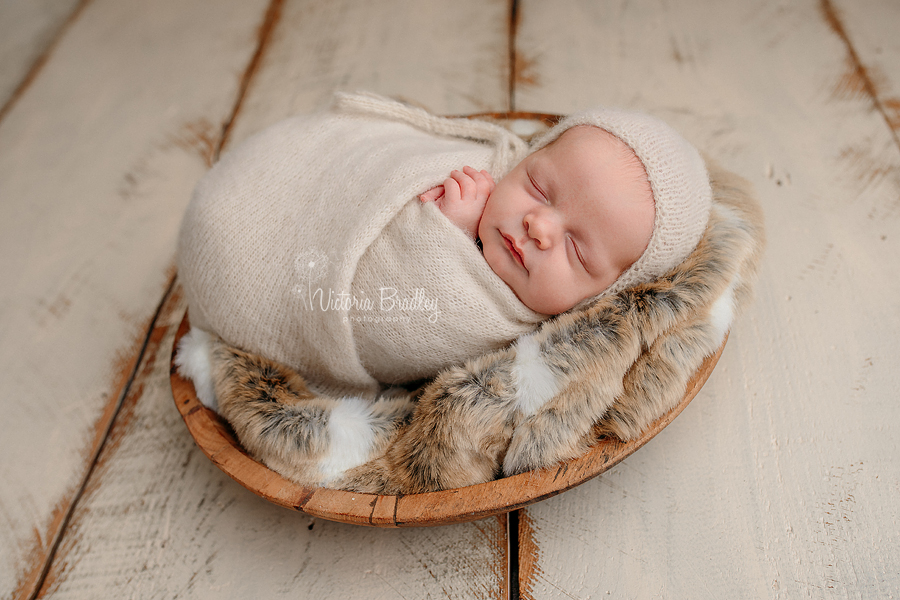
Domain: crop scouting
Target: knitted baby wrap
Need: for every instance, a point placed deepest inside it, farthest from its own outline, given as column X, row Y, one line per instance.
column 308, row 245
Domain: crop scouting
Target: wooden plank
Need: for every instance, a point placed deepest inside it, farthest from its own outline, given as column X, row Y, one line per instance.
column 27, row 32
column 160, row 520
column 780, row 479
column 452, row 58
column 868, row 29
column 97, row 160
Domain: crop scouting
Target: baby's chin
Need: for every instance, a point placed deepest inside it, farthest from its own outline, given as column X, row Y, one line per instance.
column 549, row 310
column 545, row 306
column 552, row 306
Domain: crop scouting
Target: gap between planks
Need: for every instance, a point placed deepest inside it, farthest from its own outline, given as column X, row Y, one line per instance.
column 511, row 44
column 39, row 62
column 264, row 34
column 512, row 518
column 859, row 71
column 98, row 449
column 512, row 555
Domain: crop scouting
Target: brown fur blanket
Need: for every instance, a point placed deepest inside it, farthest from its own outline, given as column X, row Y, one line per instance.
column 609, row 368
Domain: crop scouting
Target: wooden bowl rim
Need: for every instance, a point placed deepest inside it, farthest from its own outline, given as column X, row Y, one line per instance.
column 548, row 119
column 215, row 438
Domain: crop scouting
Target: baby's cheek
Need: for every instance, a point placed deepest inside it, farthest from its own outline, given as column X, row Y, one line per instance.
column 556, row 293
column 495, row 258
column 489, row 251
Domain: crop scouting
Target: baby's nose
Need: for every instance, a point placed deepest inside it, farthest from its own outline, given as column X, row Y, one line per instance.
column 543, row 230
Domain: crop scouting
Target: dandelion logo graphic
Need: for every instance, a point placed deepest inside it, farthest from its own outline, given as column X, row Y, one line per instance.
column 310, row 266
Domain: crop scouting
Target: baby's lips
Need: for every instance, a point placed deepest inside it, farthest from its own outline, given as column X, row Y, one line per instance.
column 514, row 250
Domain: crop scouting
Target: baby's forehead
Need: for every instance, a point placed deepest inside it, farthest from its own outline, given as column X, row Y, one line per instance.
column 591, row 145
column 586, row 137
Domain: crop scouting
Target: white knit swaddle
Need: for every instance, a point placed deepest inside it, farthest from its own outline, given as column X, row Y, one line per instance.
column 308, row 245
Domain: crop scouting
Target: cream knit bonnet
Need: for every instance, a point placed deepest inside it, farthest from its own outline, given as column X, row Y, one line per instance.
column 678, row 179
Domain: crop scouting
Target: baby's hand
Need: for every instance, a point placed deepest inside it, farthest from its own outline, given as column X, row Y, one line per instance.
column 462, row 197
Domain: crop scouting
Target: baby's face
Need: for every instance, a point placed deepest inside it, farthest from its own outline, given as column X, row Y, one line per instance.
column 568, row 220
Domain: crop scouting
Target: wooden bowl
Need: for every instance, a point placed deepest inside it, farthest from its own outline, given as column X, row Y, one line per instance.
column 216, row 439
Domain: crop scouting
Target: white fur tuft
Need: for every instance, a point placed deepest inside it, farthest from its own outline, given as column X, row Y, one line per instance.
column 351, row 435
column 535, row 381
column 721, row 314
column 193, row 363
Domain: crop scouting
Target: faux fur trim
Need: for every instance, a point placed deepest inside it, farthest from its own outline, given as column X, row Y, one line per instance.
column 721, row 314
column 535, row 381
column 351, row 437
column 193, row 362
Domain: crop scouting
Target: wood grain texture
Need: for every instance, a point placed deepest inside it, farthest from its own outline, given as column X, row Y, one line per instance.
column 97, row 160
column 447, row 57
column 869, row 30
column 28, row 29
column 159, row 520
column 780, row 480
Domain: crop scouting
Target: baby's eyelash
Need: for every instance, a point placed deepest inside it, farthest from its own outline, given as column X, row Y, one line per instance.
column 578, row 253
column 538, row 188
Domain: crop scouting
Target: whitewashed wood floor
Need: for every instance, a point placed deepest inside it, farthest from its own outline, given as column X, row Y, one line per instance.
column 780, row 480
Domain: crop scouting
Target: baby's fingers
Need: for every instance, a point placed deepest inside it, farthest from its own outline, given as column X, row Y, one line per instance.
column 484, row 183
column 452, row 191
column 468, row 189
column 433, row 194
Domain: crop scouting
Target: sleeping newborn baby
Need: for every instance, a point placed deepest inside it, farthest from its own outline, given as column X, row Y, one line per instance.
column 564, row 224
column 337, row 244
